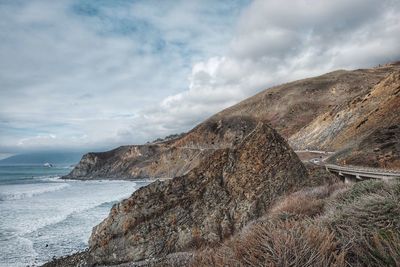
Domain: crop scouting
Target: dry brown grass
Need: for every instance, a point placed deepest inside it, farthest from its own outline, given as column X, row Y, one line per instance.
column 332, row 225
column 307, row 203
column 378, row 249
column 283, row 243
column 298, row 206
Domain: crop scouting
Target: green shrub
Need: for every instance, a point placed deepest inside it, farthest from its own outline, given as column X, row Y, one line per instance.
column 360, row 189
column 366, row 220
column 378, row 249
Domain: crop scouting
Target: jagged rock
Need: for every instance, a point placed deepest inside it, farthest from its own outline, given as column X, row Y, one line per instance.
column 229, row 188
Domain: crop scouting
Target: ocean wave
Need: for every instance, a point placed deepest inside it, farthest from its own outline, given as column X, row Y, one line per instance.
column 51, row 222
column 31, row 192
column 56, row 179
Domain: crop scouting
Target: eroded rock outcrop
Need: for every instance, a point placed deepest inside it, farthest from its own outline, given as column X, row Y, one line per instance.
column 229, row 188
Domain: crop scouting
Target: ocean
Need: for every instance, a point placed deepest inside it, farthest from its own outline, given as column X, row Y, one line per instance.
column 43, row 216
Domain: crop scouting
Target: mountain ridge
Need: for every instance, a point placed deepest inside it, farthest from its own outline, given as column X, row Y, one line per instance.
column 295, row 109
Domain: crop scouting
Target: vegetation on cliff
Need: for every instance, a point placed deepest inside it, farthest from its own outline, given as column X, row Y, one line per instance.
column 331, row 225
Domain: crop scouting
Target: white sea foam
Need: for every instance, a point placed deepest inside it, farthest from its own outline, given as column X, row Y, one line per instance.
column 26, row 252
column 55, row 179
column 15, row 192
column 55, row 215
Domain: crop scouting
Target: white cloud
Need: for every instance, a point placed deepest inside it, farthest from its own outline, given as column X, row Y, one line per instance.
column 83, row 68
column 277, row 42
column 107, row 74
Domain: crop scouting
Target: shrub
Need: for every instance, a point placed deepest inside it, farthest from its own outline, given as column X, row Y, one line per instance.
column 360, row 189
column 365, row 220
column 379, row 249
column 298, row 206
column 306, row 203
column 359, row 226
column 277, row 243
column 368, row 205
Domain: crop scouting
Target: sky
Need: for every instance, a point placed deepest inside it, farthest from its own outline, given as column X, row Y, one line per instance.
column 90, row 75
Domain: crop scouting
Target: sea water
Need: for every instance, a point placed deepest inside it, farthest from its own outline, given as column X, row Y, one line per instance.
column 43, row 216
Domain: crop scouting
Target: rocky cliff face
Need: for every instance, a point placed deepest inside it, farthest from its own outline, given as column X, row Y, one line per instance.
column 363, row 129
column 229, row 188
column 380, row 149
column 165, row 159
column 335, row 111
column 353, row 119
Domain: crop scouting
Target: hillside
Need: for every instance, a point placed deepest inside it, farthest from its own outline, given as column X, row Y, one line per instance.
column 333, row 112
column 206, row 206
column 167, row 159
column 368, row 121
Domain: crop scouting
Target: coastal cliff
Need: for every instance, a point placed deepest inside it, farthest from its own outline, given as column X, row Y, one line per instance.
column 332, row 112
column 228, row 189
column 165, row 159
column 234, row 171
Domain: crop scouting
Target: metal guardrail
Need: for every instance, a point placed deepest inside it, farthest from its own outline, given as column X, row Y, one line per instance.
column 363, row 169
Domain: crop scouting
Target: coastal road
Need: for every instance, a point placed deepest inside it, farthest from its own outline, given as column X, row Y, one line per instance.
column 357, row 173
column 350, row 173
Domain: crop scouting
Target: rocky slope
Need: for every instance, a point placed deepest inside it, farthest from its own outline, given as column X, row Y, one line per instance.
column 165, row 159
column 335, row 111
column 352, row 121
column 381, row 148
column 229, row 188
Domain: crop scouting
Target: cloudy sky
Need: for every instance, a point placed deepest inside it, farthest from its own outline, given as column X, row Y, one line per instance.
column 95, row 74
